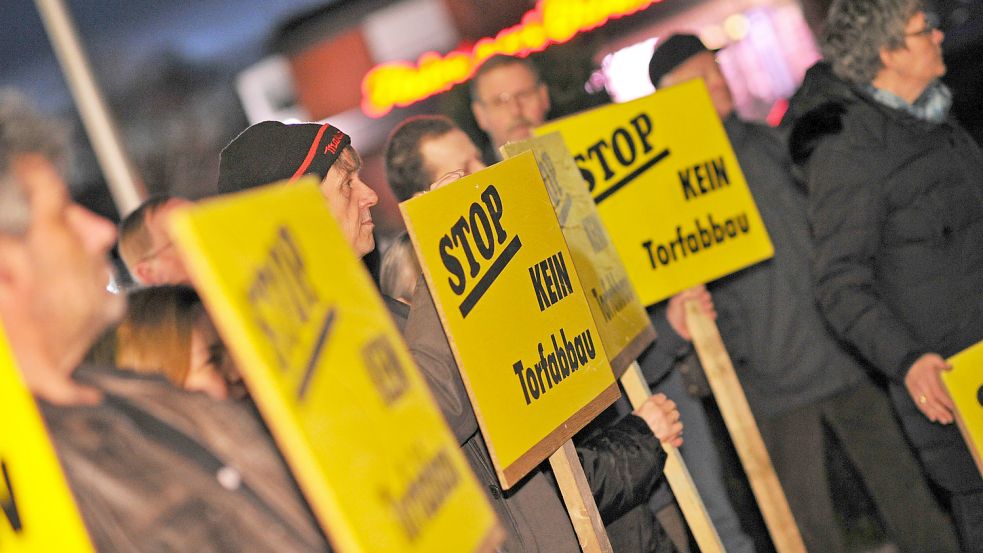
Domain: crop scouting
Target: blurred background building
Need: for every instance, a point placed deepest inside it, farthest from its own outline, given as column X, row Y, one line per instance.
column 183, row 78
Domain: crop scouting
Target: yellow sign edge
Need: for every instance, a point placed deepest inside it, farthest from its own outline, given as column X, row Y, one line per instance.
column 510, row 475
column 288, row 439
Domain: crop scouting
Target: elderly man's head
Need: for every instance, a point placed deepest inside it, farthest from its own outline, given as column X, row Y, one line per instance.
column 271, row 151
column 683, row 57
column 425, row 149
column 508, row 98
column 145, row 246
column 894, row 40
column 54, row 267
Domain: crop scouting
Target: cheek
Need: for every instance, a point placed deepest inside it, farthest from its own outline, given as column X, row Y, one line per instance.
column 339, row 206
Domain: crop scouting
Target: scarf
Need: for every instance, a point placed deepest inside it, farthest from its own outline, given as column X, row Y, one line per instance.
column 932, row 106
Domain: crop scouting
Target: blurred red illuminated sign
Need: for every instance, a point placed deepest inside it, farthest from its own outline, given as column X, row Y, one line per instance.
column 551, row 22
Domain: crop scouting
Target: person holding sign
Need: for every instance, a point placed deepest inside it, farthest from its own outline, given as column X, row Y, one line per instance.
column 896, row 211
column 144, row 459
column 797, row 377
column 532, row 514
column 509, row 99
column 426, row 151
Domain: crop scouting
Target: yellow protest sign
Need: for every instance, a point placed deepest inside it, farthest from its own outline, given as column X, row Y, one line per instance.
column 669, row 189
column 514, row 311
column 965, row 385
column 37, row 511
column 622, row 322
column 330, row 374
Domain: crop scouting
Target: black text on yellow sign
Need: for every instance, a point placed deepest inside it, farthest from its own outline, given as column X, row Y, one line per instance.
column 611, row 163
column 475, row 240
column 526, row 345
column 669, row 189
column 328, row 371
column 8, row 500
column 622, row 323
column 282, row 301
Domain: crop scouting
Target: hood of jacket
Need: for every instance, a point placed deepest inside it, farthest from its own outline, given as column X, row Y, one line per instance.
column 816, row 110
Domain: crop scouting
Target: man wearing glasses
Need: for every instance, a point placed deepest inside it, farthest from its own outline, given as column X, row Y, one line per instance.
column 508, row 99
column 896, row 213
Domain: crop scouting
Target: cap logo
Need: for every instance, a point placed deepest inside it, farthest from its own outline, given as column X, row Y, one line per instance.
column 333, row 145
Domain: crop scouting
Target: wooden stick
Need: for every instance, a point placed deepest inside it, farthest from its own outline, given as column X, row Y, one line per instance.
column 579, row 500
column 744, row 433
column 687, row 496
column 124, row 184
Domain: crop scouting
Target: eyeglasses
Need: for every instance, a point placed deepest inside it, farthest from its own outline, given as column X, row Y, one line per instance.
column 931, row 25
column 505, row 98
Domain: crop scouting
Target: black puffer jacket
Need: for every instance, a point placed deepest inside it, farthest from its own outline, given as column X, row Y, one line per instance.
column 622, row 460
column 896, row 210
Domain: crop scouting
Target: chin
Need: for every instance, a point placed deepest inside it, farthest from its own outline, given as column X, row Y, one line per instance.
column 114, row 307
column 365, row 246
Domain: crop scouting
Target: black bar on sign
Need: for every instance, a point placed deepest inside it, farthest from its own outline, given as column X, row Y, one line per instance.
column 488, row 278
column 631, row 176
column 322, row 339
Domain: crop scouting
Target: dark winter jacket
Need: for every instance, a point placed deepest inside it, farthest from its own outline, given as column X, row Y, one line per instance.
column 896, row 209
column 141, row 465
column 623, row 462
column 785, row 354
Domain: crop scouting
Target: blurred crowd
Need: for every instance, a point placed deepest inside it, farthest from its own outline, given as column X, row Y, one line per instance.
column 872, row 195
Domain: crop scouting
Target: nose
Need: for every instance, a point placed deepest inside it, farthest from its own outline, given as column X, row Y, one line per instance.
column 938, row 36
column 367, row 197
column 514, row 106
column 97, row 233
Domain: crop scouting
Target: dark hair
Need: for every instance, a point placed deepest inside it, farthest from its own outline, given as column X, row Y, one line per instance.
column 496, row 61
column 404, row 165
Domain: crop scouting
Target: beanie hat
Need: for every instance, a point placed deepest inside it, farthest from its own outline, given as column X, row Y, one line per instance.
column 271, row 151
column 671, row 53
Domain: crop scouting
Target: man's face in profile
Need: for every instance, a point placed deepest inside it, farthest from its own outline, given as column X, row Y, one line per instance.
column 349, row 200
column 60, row 267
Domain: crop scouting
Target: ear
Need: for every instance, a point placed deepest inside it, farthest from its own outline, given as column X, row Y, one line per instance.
column 544, row 96
column 887, row 58
column 13, row 260
column 143, row 272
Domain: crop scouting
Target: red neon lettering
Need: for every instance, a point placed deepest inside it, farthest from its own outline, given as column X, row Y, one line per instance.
column 551, row 22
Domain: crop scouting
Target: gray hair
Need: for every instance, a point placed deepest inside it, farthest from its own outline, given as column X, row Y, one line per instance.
column 857, row 30
column 23, row 131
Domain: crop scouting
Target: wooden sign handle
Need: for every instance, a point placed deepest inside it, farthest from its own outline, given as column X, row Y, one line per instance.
column 579, row 500
column 744, row 433
column 676, row 473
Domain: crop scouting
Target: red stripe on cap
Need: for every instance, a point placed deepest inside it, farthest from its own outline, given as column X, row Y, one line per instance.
column 310, row 153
